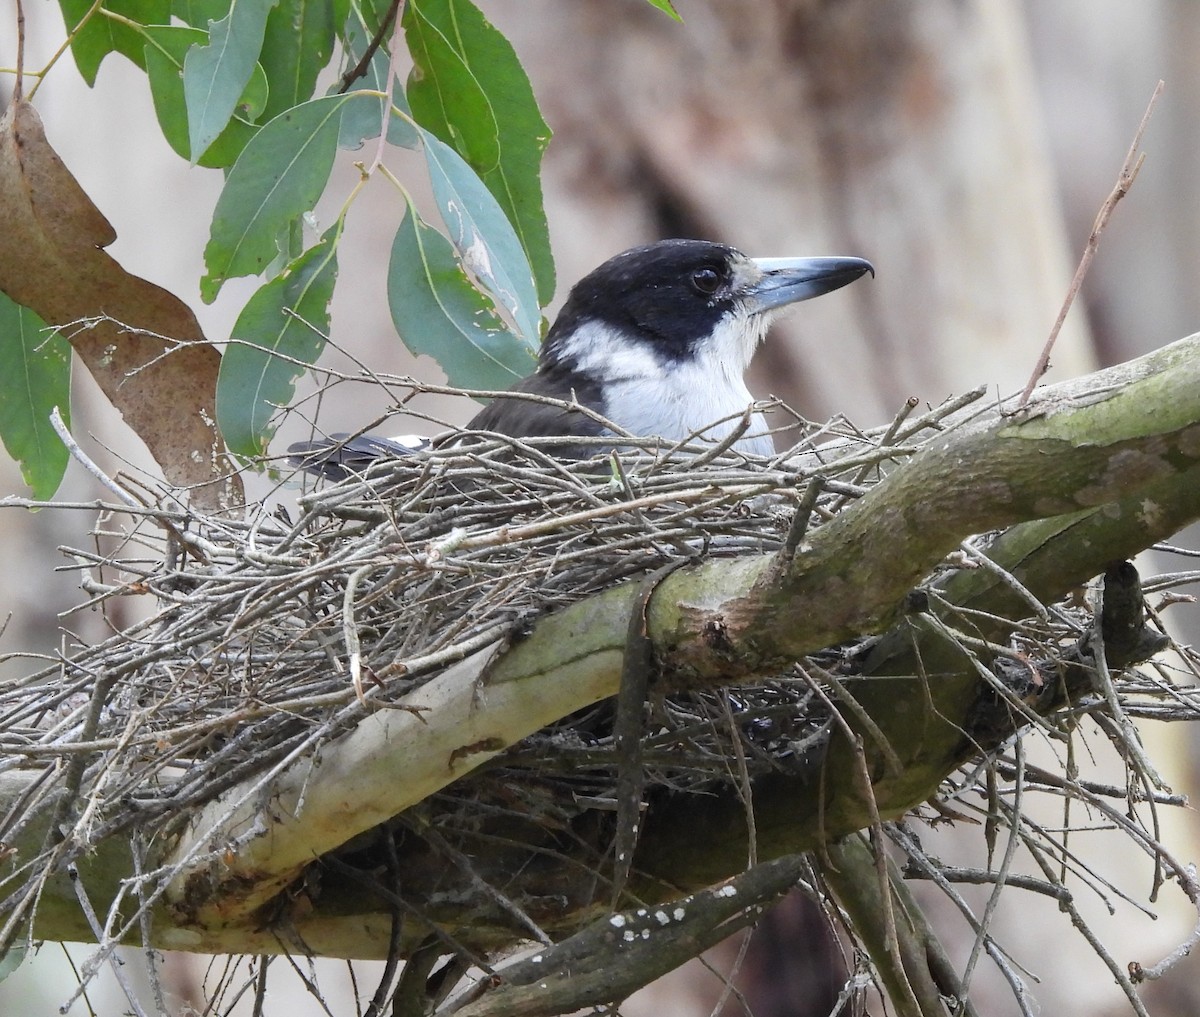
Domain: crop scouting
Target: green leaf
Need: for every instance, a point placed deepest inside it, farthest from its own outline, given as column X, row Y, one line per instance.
column 468, row 87
column 13, row 959
column 372, row 13
column 438, row 312
column 296, row 46
column 339, row 10
column 445, row 95
column 101, row 36
column 198, row 13
column 166, row 47
column 483, row 236
column 278, row 177
column 35, row 365
column 667, row 7
column 259, row 372
column 216, row 75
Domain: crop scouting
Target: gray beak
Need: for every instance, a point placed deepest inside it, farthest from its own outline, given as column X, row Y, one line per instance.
column 788, row 280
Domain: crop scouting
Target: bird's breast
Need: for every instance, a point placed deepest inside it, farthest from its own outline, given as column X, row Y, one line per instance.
column 678, row 405
column 652, row 393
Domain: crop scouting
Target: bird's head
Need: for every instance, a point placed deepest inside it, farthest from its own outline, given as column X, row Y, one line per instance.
column 683, row 301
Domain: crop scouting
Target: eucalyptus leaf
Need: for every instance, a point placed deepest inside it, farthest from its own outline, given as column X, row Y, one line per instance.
column 101, row 35
column 215, row 76
column 483, row 236
column 667, row 7
column 468, row 87
column 297, row 45
column 445, row 94
column 35, row 377
column 166, row 48
column 198, row 13
column 279, row 333
column 438, row 312
column 278, row 177
column 13, row 958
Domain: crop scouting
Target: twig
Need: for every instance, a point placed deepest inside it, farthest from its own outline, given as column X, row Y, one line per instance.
column 1012, row 582
column 1002, row 873
column 490, row 892
column 420, row 963
column 350, row 629
column 922, row 867
column 800, row 520
column 19, row 84
column 629, row 728
column 1129, row 742
column 888, row 437
column 410, row 998
column 745, row 792
column 900, row 982
column 894, row 766
column 84, row 460
column 1129, row 171
column 1078, row 921
column 117, row 965
column 137, row 851
column 386, row 106
column 1139, row 973
column 360, row 68
column 933, row 418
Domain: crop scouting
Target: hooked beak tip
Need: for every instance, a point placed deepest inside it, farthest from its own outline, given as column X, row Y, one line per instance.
column 790, row 280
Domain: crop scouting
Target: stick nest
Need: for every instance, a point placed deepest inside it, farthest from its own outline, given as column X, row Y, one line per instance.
column 271, row 635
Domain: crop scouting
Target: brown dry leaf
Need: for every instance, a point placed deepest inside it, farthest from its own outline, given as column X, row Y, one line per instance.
column 52, row 260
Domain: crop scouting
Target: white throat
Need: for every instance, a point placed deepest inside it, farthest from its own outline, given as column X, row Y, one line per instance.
column 649, row 395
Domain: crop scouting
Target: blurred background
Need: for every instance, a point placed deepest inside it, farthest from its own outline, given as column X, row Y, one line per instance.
column 964, row 146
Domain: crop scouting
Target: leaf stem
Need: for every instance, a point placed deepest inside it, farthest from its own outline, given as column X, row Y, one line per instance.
column 41, row 75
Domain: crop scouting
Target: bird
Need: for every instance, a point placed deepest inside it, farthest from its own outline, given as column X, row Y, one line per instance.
column 656, row 340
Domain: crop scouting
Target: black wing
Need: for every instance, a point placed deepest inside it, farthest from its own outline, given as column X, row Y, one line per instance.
column 341, row 455
column 525, row 418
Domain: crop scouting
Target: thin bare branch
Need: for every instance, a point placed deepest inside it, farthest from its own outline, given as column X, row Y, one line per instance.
column 1125, row 178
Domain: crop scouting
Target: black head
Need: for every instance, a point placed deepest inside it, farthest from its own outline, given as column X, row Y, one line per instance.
column 676, row 294
column 670, row 292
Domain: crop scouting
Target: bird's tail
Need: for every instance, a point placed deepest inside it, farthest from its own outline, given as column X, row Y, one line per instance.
column 342, row 455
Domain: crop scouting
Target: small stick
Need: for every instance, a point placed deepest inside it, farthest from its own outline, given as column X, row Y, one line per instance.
column 360, row 69
column 1129, row 171
column 804, row 511
column 84, row 460
column 19, row 86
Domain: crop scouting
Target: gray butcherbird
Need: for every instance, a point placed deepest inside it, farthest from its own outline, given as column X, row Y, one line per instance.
column 656, row 340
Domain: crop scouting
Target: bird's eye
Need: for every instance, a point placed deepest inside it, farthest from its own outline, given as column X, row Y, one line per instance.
column 706, row 281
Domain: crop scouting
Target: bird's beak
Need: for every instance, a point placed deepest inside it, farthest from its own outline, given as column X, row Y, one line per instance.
column 788, row 280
